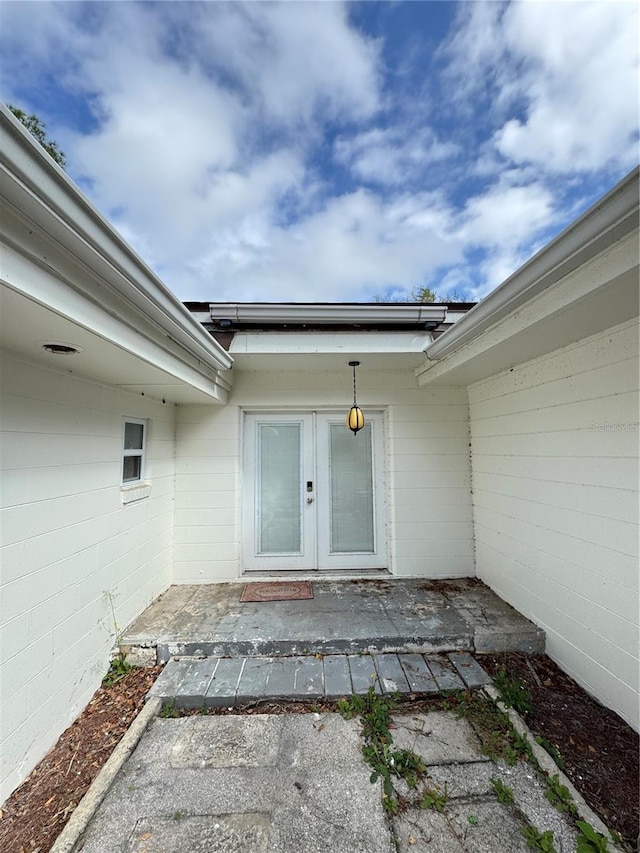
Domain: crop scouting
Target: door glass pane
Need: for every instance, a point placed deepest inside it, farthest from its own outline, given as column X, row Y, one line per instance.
column 279, row 489
column 351, row 490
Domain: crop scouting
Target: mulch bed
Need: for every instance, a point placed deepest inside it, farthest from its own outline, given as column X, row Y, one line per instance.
column 36, row 813
column 599, row 750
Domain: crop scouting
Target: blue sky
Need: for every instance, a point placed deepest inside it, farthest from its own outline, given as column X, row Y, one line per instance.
column 323, row 151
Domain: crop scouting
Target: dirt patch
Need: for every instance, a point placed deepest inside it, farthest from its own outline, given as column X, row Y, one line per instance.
column 598, row 749
column 36, row 813
column 450, row 587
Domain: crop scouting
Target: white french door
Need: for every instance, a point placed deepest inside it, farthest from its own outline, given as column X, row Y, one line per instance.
column 313, row 493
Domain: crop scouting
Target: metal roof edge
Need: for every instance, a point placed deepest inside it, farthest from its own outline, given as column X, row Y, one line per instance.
column 336, row 313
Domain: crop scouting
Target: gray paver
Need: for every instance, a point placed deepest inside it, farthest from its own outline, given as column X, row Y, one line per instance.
column 363, row 673
column 309, row 681
column 169, row 680
column 337, row 676
column 224, row 684
column 281, row 678
column 392, row 676
column 193, row 687
column 253, row 679
column 418, row 674
column 469, row 669
column 445, row 675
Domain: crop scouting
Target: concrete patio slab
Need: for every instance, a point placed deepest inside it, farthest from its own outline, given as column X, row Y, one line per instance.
column 316, row 797
column 344, row 617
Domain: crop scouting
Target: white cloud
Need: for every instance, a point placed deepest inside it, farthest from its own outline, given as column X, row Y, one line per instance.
column 392, row 155
column 563, row 78
column 217, row 126
column 356, row 246
column 295, row 58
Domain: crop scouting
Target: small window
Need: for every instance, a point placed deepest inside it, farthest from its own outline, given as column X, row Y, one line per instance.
column 133, row 453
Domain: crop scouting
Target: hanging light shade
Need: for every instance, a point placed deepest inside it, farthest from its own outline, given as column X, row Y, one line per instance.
column 355, row 418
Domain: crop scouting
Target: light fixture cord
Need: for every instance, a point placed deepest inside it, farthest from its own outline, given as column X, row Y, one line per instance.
column 354, row 385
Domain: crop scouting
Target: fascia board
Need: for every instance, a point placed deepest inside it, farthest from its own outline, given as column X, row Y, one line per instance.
column 35, row 185
column 321, row 342
column 612, row 218
column 327, row 314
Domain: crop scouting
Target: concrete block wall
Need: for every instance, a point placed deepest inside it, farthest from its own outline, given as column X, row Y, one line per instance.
column 70, row 548
column 555, row 503
column 428, row 470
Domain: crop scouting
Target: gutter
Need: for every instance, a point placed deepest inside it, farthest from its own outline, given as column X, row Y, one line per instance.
column 326, row 314
column 64, row 213
column 609, row 220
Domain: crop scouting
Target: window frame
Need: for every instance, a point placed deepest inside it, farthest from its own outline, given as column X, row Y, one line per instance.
column 138, row 453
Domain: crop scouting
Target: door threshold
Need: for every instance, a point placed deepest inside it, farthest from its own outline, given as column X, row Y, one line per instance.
column 320, row 575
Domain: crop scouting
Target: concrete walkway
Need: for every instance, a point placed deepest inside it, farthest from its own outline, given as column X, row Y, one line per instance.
column 297, row 783
column 343, row 617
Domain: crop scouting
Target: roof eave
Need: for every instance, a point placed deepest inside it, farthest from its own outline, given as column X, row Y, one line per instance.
column 60, row 209
column 609, row 220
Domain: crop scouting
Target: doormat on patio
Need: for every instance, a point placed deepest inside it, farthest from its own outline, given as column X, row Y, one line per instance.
column 279, row 591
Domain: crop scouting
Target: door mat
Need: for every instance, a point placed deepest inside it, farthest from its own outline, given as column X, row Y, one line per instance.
column 279, row 591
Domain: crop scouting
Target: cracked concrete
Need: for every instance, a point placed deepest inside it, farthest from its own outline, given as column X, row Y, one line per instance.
column 297, row 783
column 397, row 615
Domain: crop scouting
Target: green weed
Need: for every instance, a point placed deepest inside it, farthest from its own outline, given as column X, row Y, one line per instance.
column 385, row 762
column 559, row 796
column 169, row 710
column 499, row 738
column 542, row 841
column 503, row 792
column 434, row 799
column 590, row 841
column 512, row 692
column 552, row 750
column 117, row 670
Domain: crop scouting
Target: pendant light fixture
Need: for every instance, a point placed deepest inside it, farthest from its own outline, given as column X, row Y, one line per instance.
column 355, row 418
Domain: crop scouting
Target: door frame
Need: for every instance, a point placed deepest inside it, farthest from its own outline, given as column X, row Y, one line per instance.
column 310, row 562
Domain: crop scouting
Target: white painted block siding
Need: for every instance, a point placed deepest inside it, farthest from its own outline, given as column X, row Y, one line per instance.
column 428, row 474
column 555, row 502
column 68, row 544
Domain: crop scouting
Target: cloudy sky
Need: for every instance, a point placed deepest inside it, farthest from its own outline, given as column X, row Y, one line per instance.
column 326, row 151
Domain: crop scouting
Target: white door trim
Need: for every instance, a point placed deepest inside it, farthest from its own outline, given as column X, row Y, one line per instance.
column 314, row 506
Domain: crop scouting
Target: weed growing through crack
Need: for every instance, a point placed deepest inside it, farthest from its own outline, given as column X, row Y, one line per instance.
column 503, row 792
column 559, row 796
column 553, row 751
column 590, row 841
column 169, row 710
column 118, row 669
column 542, row 841
column 512, row 692
column 434, row 799
column 386, row 763
column 498, row 737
